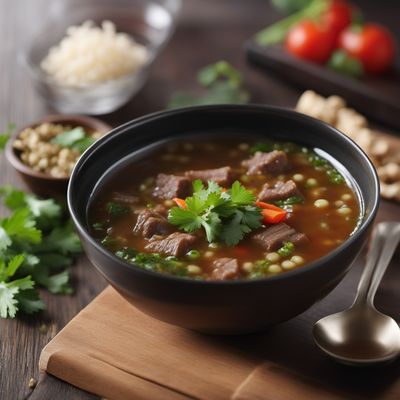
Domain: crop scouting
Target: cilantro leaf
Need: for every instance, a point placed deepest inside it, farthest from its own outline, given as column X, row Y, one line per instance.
column 43, row 208
column 212, row 225
column 46, row 213
column 20, row 226
column 56, row 283
column 83, row 144
column 224, row 216
column 75, row 139
column 69, row 138
column 116, row 209
column 35, row 241
column 240, row 195
column 13, row 198
column 63, row 240
column 9, row 289
column 5, row 240
column 29, row 301
column 8, row 301
column 187, row 219
column 14, row 264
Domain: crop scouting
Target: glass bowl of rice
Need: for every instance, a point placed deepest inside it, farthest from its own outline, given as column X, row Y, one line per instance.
column 93, row 56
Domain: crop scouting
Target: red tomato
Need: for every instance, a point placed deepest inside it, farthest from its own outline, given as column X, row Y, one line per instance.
column 310, row 41
column 338, row 16
column 373, row 45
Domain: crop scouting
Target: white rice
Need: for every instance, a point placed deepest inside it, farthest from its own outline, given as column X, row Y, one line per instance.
column 90, row 55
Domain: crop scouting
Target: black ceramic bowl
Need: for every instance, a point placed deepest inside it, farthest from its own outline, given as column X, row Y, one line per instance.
column 227, row 306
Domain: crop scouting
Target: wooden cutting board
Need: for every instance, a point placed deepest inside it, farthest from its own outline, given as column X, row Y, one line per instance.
column 113, row 350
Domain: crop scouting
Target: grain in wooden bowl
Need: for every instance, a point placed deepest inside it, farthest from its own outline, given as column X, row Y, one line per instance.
column 45, row 152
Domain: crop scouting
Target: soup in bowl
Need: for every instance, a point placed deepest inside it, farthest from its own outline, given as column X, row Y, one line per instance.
column 223, row 219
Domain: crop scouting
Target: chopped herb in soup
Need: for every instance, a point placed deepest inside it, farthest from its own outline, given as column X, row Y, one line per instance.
column 222, row 211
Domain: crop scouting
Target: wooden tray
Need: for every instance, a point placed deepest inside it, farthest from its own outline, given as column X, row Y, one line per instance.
column 115, row 351
column 377, row 97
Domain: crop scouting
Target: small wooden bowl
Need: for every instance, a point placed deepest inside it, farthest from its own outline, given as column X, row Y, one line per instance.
column 43, row 184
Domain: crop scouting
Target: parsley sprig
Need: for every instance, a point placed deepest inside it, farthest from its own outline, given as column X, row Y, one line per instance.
column 225, row 216
column 37, row 245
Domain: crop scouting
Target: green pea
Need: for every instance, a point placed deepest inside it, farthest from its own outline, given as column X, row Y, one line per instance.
column 193, row 254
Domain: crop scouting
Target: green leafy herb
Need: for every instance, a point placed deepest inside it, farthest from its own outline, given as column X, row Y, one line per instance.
column 262, row 147
column 276, row 32
column 126, row 253
column 6, row 135
column 341, row 62
column 335, row 176
column 75, row 139
column 290, row 6
column 225, row 216
column 260, row 269
column 37, row 244
column 156, row 262
column 116, row 209
column 222, row 84
column 290, row 201
column 322, row 164
column 286, row 250
column 266, row 147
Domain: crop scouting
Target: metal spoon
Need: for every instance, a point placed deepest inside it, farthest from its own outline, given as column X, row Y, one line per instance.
column 361, row 335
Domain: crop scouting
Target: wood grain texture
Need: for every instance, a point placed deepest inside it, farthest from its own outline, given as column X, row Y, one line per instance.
column 208, row 31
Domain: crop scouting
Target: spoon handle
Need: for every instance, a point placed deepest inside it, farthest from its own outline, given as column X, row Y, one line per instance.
column 384, row 241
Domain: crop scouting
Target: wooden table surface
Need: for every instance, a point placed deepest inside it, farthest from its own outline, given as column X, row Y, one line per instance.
column 208, row 31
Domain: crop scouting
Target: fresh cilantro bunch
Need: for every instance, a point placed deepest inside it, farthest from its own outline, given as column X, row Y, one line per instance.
column 222, row 84
column 37, row 244
column 226, row 216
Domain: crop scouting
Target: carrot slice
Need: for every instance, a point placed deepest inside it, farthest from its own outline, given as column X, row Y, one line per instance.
column 268, row 206
column 179, row 202
column 273, row 216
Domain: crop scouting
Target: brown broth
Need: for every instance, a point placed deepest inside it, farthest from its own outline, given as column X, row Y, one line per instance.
column 326, row 228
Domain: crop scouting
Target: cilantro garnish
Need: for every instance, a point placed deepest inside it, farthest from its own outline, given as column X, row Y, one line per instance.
column 286, row 250
column 225, row 216
column 75, row 139
column 290, row 201
column 37, row 244
column 116, row 209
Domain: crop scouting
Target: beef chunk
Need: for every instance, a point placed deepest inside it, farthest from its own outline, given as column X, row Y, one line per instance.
column 170, row 186
column 225, row 268
column 223, row 176
column 274, row 162
column 273, row 237
column 281, row 190
column 176, row 244
column 151, row 222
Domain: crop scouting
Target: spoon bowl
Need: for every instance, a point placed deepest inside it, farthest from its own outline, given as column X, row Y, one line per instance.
column 362, row 335
column 365, row 335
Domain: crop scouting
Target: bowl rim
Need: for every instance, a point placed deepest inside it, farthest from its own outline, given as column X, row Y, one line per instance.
column 81, row 120
column 282, row 111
